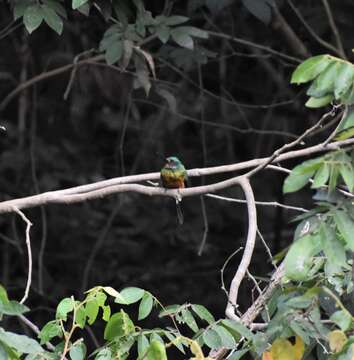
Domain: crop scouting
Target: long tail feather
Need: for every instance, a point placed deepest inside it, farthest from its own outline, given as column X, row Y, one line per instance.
column 179, row 213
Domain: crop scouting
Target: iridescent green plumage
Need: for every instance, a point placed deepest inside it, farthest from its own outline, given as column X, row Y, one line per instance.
column 173, row 176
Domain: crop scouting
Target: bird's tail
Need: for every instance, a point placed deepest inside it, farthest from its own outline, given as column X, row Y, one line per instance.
column 179, row 212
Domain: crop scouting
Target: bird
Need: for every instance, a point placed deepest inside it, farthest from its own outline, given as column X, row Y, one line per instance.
column 173, row 176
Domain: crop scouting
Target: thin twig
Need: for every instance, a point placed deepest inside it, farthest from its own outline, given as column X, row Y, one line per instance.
column 206, row 226
column 334, row 28
column 263, row 203
column 29, row 252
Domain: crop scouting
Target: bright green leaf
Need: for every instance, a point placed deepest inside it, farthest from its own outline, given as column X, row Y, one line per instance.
column 12, row 307
column 118, row 325
column 143, row 345
column 321, row 177
column 145, row 306
column 332, row 246
column 314, row 103
column 91, row 310
column 157, row 351
column 310, row 68
column 64, row 307
column 50, row 330
column 21, row 343
column 132, row 294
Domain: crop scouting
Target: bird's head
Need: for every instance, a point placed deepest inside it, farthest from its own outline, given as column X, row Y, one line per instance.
column 172, row 162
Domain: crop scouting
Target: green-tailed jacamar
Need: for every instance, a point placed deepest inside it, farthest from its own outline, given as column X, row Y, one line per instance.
column 173, row 176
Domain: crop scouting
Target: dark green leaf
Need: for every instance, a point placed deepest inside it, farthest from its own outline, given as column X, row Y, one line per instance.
column 236, row 355
column 189, row 320
column 310, row 68
column 193, row 31
column 163, row 33
column 12, row 308
column 33, row 17
column 182, row 38
column 238, row 327
column 57, row 7
column 227, row 339
column 175, row 20
column 261, row 9
column 145, row 306
column 114, row 52
column 104, row 354
column 347, row 172
column 203, row 313
column 169, row 310
column 52, row 19
column 212, row 339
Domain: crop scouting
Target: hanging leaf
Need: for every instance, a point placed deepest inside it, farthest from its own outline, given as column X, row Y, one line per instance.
column 33, row 17
column 21, row 343
column 182, row 38
column 344, row 80
column 212, row 339
column 157, row 351
column 52, row 19
column 227, row 340
column 145, row 306
column 343, row 319
column 261, row 9
column 322, row 176
column 143, row 345
column 324, row 83
column 315, row 103
column 132, row 294
column 77, row 3
column 78, row 351
column 203, row 313
column 345, row 226
column 64, row 307
column 118, row 325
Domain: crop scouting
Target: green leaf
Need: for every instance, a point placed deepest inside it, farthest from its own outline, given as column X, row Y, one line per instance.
column 299, row 259
column 332, row 246
column 50, row 330
column 104, row 354
column 193, row 31
column 348, row 97
column 118, row 325
column 175, row 20
column 333, row 177
column 106, row 312
column 143, row 345
column 112, row 292
column 301, row 175
column 324, row 83
column 52, row 19
column 310, row 68
column 3, row 295
column 175, row 342
column 157, row 351
column 345, row 134
column 19, row 9
column 12, row 308
column 33, row 17
column 314, row 103
column 212, row 339
column 170, row 310
column 203, row 313
column 347, row 172
column 64, row 307
column 57, row 7
column 344, row 80
column 77, row 3
column 114, row 52
column 182, row 38
column 80, row 316
column 343, row 319
column 21, row 343
column 84, row 9
column 78, row 351
column 132, row 294
column 227, row 339
column 189, row 320
column 91, row 310
column 145, row 306
column 163, row 33
column 321, row 177
column 238, row 327
column 345, row 226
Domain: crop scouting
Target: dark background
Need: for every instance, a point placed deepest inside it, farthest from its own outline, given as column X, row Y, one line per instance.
column 106, row 129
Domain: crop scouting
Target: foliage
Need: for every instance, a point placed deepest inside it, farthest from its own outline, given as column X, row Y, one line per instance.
column 311, row 304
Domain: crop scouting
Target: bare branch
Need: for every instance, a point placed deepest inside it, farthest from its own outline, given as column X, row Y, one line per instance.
column 29, row 252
